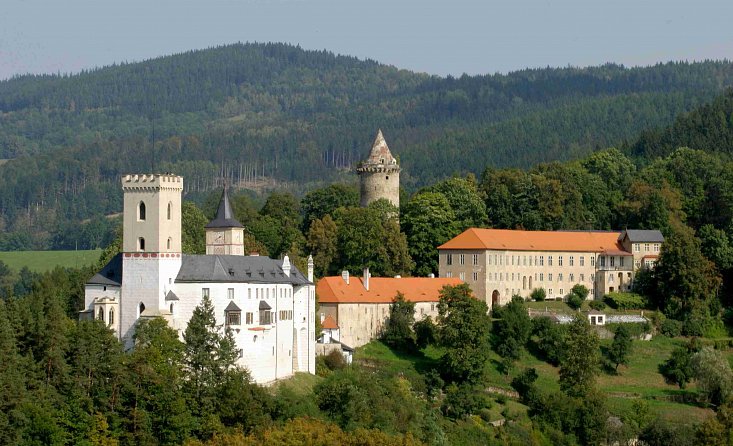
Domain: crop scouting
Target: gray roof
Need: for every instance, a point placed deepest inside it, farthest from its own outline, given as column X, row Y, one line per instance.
column 171, row 296
column 643, row 235
column 241, row 269
column 232, row 307
column 110, row 275
column 224, row 215
column 264, row 305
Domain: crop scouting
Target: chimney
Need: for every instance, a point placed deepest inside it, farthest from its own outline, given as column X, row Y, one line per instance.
column 366, row 278
column 310, row 268
column 345, row 276
column 286, row 265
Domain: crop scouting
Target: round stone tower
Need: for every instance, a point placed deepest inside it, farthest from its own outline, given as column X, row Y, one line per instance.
column 379, row 174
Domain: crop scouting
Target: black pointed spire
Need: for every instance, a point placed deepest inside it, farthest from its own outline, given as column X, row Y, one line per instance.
column 224, row 215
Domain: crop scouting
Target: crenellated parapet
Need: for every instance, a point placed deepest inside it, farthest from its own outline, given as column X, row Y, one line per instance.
column 152, row 182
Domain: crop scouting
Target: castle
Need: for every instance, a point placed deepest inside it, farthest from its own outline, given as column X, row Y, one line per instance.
column 268, row 304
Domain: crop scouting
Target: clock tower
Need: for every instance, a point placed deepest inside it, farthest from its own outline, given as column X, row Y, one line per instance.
column 224, row 234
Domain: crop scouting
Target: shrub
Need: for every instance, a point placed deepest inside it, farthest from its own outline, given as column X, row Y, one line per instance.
column 625, row 301
column 334, row 360
column 463, row 400
column 597, row 305
column 425, row 332
column 574, row 301
column 671, row 328
column 538, row 294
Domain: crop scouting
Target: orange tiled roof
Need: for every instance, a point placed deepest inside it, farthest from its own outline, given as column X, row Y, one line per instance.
column 517, row 240
column 329, row 324
column 334, row 289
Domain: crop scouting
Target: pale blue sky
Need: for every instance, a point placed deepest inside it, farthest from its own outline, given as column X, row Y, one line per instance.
column 437, row 37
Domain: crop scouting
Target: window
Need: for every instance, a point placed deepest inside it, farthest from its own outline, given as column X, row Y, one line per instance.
column 475, row 259
column 462, row 276
column 234, row 318
column 572, row 261
column 636, row 247
column 205, row 293
column 656, row 247
column 524, row 262
column 602, row 260
column 248, row 318
column 542, row 277
column 549, row 292
column 171, row 308
column 112, row 316
column 562, row 292
column 449, row 274
column 461, row 259
column 613, row 260
column 610, row 278
column 230, row 293
column 265, row 317
column 549, row 260
column 559, row 277
column 170, row 205
column 582, row 277
column 449, row 259
column 249, row 293
column 621, row 261
column 582, row 261
column 489, row 257
column 141, row 244
column 549, row 277
column 512, row 260
column 530, row 260
column 170, row 241
column 592, row 260
column 572, row 277
column 542, row 260
column 141, row 211
column 646, row 247
column 100, row 314
column 592, row 277
column 475, row 277
column 140, row 309
column 559, row 260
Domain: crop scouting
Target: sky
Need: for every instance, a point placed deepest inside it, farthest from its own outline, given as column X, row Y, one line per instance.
column 436, row 37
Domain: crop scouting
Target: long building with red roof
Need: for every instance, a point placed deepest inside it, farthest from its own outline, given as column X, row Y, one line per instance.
column 360, row 305
column 500, row 263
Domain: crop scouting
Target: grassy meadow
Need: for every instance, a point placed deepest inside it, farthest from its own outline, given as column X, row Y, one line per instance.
column 40, row 261
column 639, row 380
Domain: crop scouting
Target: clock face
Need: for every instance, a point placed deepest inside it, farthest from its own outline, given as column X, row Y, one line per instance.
column 219, row 237
column 238, row 237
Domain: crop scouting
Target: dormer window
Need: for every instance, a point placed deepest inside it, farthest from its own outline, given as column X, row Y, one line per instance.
column 141, row 211
column 234, row 318
column 381, row 160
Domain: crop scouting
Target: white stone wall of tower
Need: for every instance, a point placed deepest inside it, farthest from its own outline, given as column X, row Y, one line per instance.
column 376, row 185
column 157, row 192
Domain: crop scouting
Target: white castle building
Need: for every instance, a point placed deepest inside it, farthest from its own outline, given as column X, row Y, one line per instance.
column 268, row 304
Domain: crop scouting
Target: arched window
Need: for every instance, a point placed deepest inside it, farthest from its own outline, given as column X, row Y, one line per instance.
column 141, row 244
column 169, row 243
column 100, row 314
column 111, row 316
column 169, row 210
column 141, row 211
column 140, row 309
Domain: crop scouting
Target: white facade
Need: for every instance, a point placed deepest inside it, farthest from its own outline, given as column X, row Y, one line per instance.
column 268, row 304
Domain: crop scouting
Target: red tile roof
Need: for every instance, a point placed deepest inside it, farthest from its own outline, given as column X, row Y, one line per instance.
column 517, row 240
column 329, row 324
column 334, row 289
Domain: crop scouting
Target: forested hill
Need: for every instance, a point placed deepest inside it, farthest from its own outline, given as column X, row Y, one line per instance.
column 708, row 128
column 276, row 111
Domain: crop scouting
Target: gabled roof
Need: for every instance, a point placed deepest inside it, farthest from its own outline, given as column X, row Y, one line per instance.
column 110, row 275
column 171, row 296
column 232, row 307
column 334, row 289
column 237, row 269
column 264, row 306
column 224, row 214
column 643, row 235
column 329, row 324
column 518, row 240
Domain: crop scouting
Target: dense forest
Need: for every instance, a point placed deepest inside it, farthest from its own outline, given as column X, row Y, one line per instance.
column 274, row 115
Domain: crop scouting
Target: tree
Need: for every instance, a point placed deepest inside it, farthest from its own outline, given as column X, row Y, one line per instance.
column 713, row 375
column 463, row 330
column 320, row 202
column 510, row 333
column 538, row 294
column 425, row 332
column 578, row 294
column 322, row 242
column 678, row 368
column 579, row 363
column 428, row 221
column 549, row 339
column 208, row 355
column 193, row 234
column 464, row 200
column 619, row 351
column 398, row 332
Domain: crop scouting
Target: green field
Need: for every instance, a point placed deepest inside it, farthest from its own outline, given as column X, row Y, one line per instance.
column 640, row 380
column 40, row 261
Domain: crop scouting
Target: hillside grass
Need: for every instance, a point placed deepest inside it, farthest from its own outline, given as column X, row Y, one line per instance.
column 639, row 380
column 41, row 261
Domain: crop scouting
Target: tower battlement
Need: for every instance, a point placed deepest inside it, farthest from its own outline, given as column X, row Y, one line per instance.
column 152, row 182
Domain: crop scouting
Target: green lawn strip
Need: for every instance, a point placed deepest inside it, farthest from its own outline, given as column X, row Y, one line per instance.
column 299, row 383
column 41, row 261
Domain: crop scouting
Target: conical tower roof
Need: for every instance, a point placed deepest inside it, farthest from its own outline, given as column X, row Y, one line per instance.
column 224, row 215
column 380, row 153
